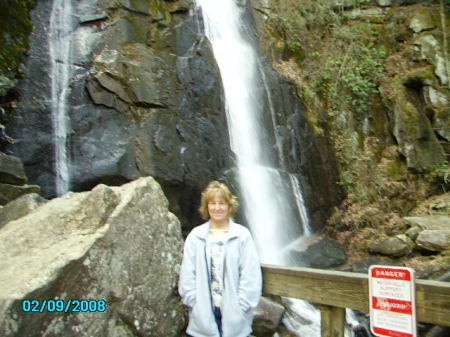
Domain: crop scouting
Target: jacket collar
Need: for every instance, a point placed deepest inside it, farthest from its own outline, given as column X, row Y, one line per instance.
column 203, row 230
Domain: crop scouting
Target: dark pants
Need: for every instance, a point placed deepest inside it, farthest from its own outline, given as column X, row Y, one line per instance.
column 218, row 317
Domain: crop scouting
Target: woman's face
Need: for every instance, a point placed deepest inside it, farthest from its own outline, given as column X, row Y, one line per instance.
column 218, row 209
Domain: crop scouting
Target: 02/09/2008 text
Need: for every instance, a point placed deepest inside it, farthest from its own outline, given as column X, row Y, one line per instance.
column 63, row 305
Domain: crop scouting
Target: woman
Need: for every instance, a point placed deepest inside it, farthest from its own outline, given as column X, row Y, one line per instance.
column 220, row 277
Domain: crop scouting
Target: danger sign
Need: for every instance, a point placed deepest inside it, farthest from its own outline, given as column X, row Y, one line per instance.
column 392, row 303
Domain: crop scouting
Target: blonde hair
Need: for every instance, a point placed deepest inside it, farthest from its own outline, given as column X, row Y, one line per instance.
column 214, row 188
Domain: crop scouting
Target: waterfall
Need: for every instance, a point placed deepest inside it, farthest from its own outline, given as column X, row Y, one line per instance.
column 267, row 191
column 301, row 205
column 272, row 198
column 60, row 49
column 280, row 153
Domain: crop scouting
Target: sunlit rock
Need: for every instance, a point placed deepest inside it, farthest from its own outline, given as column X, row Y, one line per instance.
column 412, row 129
column 413, row 232
column 120, row 245
column 432, row 222
column 431, row 50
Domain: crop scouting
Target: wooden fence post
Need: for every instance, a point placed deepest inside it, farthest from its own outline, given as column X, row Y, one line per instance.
column 332, row 321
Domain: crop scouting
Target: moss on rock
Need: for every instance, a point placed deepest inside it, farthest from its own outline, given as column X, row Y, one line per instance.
column 369, row 78
column 423, row 19
column 15, row 27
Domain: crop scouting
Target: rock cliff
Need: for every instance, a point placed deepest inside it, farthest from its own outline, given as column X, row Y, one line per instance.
column 144, row 98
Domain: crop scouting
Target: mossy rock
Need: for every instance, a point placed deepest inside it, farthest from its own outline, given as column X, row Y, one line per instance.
column 393, row 170
column 372, row 15
column 422, row 75
column 11, row 192
column 15, row 27
column 423, row 19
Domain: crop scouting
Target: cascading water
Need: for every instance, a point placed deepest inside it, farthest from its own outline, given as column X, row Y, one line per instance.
column 60, row 48
column 270, row 210
column 268, row 192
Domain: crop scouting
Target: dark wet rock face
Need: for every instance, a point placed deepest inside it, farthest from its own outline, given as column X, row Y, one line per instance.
column 28, row 119
column 317, row 252
column 145, row 99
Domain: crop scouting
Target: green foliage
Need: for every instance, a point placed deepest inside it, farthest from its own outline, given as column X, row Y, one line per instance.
column 336, row 56
column 291, row 19
column 441, row 173
column 15, row 27
column 352, row 74
column 287, row 28
column 343, row 59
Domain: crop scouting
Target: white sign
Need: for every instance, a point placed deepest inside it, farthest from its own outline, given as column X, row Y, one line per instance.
column 392, row 302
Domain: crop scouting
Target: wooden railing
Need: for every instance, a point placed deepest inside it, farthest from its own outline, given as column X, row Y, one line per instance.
column 334, row 291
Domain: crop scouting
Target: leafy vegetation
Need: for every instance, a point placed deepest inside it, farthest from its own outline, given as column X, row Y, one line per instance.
column 338, row 57
column 340, row 61
column 440, row 174
column 15, row 27
column 342, row 64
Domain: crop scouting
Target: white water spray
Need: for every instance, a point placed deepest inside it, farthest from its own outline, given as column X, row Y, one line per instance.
column 61, row 26
column 278, row 144
column 270, row 210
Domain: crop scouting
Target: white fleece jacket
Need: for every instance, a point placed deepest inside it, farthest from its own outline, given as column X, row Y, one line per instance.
column 242, row 283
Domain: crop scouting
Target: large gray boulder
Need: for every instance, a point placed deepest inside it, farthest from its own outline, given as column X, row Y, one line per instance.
column 118, row 244
column 432, row 222
column 268, row 316
column 318, row 252
column 434, row 240
column 430, row 232
column 399, row 245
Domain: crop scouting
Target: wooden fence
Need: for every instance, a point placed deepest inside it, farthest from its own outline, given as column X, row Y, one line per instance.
column 334, row 291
